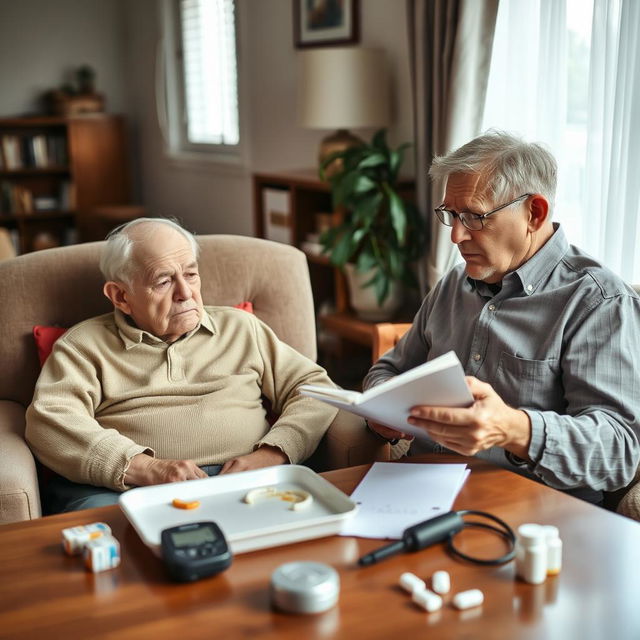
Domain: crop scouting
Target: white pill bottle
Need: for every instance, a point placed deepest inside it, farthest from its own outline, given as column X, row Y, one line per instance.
column 531, row 553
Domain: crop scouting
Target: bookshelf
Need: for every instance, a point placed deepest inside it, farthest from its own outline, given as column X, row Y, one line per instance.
column 293, row 207
column 54, row 169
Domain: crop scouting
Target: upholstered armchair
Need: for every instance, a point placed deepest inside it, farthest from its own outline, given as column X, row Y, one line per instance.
column 62, row 286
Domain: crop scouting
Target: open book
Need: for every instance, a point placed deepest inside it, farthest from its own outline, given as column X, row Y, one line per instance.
column 439, row 382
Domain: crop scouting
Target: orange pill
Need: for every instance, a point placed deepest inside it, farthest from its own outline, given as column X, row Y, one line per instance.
column 185, row 504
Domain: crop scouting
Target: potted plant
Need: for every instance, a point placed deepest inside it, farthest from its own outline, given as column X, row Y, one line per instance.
column 380, row 235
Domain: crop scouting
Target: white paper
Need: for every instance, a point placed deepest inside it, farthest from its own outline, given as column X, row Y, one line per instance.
column 394, row 495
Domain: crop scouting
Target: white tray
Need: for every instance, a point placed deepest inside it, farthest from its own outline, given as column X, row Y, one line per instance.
column 266, row 523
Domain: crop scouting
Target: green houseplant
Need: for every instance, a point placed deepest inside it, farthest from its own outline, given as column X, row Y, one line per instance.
column 380, row 232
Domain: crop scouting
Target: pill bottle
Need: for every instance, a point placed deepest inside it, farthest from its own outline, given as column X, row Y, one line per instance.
column 305, row 587
column 554, row 550
column 531, row 553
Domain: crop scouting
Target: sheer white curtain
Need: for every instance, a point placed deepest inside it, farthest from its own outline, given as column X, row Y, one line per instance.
column 567, row 73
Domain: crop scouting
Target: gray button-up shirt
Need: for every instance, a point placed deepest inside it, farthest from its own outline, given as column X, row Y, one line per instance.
column 558, row 340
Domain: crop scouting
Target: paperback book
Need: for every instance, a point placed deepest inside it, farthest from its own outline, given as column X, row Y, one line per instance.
column 439, row 382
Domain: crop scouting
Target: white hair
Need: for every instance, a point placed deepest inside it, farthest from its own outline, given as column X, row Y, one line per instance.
column 116, row 261
column 511, row 166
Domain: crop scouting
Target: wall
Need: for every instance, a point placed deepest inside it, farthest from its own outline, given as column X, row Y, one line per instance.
column 213, row 198
column 43, row 42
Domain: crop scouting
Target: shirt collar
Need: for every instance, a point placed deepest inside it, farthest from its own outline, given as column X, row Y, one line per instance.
column 133, row 336
column 535, row 269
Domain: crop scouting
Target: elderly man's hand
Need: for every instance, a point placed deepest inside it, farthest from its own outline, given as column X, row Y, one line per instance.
column 264, row 456
column 488, row 422
column 144, row 470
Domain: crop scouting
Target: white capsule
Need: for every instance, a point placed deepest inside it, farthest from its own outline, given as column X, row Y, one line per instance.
column 468, row 599
column 440, row 582
column 428, row 600
column 411, row 583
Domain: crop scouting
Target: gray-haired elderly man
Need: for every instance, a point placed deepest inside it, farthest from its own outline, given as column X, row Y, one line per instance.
column 164, row 389
column 547, row 336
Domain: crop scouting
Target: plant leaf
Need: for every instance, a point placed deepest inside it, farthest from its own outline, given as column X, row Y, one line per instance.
column 373, row 160
column 398, row 214
column 379, row 140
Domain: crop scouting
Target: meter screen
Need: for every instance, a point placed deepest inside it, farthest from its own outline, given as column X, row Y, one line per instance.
column 194, row 537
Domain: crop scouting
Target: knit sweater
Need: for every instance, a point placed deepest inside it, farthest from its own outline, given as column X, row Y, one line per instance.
column 110, row 391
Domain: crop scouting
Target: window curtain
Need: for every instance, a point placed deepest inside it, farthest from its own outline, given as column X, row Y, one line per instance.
column 576, row 88
column 611, row 206
column 450, row 44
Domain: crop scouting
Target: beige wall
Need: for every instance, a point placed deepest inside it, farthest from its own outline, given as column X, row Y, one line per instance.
column 42, row 42
column 213, row 198
column 40, row 39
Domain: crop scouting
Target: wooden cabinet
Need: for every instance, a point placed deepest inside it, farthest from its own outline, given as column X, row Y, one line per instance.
column 292, row 206
column 52, row 168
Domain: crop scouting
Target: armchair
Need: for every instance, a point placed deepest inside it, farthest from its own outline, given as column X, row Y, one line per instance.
column 63, row 286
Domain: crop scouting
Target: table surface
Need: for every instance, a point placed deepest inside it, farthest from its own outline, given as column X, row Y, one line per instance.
column 46, row 594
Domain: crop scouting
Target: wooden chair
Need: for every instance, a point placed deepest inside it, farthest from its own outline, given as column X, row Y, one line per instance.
column 386, row 336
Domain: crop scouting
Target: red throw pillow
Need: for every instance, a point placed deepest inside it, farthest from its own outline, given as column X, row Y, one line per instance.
column 45, row 337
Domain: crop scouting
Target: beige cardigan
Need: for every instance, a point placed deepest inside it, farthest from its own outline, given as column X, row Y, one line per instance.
column 110, row 391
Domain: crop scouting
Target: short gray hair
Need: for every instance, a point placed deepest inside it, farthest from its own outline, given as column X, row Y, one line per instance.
column 512, row 166
column 116, row 261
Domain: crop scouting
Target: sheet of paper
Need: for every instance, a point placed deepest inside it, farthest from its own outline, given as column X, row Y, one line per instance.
column 395, row 495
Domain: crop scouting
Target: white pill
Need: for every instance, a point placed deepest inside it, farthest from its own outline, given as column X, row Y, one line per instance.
column 440, row 582
column 428, row 600
column 411, row 583
column 468, row 599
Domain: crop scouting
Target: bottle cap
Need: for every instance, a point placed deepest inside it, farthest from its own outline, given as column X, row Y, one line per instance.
column 305, row 587
column 530, row 533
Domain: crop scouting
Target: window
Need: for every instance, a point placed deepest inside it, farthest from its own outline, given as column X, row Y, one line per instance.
column 565, row 72
column 201, row 82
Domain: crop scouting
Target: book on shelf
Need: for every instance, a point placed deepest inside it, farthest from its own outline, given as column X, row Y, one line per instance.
column 277, row 214
column 439, row 382
column 12, row 151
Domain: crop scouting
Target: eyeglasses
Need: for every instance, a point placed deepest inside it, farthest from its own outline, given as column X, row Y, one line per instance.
column 472, row 221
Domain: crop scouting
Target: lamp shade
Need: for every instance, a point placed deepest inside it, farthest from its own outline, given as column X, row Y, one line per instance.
column 341, row 88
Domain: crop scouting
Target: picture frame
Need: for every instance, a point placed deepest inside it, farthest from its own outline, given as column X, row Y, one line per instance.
column 325, row 23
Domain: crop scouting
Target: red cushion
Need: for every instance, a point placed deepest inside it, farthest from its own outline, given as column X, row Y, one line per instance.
column 46, row 336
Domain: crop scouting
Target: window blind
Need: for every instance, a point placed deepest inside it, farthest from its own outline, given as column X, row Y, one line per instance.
column 210, row 71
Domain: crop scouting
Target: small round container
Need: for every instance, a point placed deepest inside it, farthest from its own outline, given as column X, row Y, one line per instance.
column 305, row 587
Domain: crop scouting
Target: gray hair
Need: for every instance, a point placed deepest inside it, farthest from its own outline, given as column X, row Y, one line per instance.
column 512, row 166
column 116, row 261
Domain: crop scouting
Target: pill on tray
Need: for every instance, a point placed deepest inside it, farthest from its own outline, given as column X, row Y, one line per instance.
column 185, row 504
column 440, row 582
column 75, row 538
column 428, row 600
column 468, row 599
column 411, row 583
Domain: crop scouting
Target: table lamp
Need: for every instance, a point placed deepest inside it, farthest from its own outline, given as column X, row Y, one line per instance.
column 342, row 88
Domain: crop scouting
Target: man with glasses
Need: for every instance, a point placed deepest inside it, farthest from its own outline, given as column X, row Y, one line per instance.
column 547, row 336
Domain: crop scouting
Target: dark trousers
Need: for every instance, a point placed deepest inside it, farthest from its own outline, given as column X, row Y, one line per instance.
column 61, row 495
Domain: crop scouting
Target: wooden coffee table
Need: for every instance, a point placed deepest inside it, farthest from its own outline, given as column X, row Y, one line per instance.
column 46, row 595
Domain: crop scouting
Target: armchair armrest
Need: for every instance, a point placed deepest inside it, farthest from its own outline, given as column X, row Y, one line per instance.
column 19, row 493
column 630, row 504
column 348, row 443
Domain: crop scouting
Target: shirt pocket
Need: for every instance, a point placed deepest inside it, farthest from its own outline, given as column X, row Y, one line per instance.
column 531, row 384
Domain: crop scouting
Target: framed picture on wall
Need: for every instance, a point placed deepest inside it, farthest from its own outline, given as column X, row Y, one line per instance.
column 324, row 23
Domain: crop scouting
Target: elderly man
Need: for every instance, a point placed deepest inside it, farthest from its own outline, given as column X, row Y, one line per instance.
column 547, row 336
column 164, row 389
